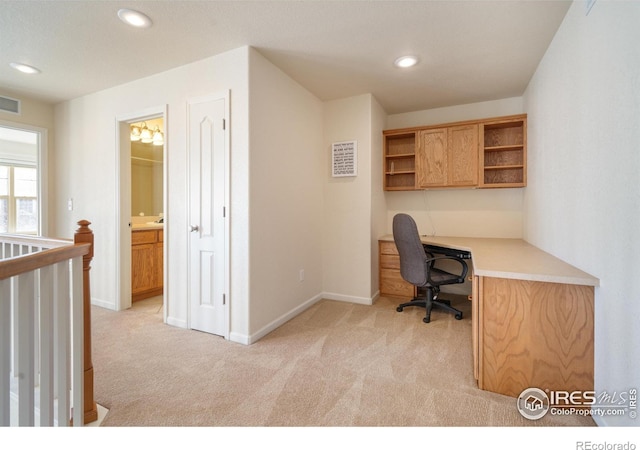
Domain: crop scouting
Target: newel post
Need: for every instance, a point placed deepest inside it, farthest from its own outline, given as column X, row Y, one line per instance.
column 84, row 235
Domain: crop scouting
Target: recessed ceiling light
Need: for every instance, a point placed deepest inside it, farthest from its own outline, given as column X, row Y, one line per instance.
column 24, row 68
column 134, row 18
column 406, row 61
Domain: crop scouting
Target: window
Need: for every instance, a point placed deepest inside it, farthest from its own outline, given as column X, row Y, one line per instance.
column 20, row 207
column 18, row 200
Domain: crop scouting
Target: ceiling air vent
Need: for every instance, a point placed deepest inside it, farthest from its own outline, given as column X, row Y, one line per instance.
column 9, row 105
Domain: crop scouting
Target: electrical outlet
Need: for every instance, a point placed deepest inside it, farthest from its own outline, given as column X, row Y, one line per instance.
column 70, row 204
column 301, row 275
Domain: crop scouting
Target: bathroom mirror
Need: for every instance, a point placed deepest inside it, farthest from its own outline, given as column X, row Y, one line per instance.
column 147, row 168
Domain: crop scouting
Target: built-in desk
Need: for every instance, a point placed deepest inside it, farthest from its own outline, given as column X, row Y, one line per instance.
column 532, row 315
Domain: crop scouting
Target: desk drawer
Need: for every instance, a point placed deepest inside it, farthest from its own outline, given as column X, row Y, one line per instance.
column 388, row 248
column 389, row 262
column 392, row 284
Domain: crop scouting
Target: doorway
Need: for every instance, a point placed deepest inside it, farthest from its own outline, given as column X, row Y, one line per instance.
column 147, row 224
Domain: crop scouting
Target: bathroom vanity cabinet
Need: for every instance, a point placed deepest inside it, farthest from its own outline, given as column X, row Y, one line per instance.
column 146, row 263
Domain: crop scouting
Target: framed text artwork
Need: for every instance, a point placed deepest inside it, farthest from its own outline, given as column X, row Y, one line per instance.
column 344, row 159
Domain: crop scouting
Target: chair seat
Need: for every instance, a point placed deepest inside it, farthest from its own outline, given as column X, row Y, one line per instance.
column 442, row 277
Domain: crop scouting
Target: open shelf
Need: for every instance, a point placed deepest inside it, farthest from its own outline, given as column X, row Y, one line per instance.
column 519, row 166
column 502, row 148
column 504, row 153
column 400, row 162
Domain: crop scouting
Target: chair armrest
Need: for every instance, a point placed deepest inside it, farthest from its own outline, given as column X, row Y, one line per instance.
column 463, row 266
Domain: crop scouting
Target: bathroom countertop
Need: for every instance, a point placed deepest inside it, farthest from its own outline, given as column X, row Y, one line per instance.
column 147, row 226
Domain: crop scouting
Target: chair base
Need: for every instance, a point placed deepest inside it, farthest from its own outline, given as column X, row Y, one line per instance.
column 423, row 302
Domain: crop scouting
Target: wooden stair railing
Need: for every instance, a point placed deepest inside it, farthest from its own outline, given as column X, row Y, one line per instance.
column 84, row 235
column 22, row 261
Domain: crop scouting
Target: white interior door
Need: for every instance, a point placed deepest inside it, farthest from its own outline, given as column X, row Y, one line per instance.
column 208, row 157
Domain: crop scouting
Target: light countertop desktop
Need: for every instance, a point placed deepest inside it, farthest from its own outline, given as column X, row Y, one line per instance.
column 512, row 259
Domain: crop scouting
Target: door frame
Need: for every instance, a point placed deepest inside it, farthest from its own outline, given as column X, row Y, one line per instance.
column 123, row 209
column 226, row 96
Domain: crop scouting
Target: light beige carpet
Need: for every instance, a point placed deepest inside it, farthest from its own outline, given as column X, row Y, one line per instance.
column 336, row 364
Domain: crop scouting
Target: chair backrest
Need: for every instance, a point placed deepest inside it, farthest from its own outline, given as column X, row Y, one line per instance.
column 413, row 267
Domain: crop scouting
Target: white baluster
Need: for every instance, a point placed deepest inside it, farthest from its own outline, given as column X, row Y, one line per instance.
column 78, row 342
column 61, row 341
column 5, row 352
column 46, row 347
column 26, row 320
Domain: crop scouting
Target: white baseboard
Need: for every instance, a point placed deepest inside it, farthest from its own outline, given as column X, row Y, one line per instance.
column 180, row 323
column 349, row 298
column 103, row 304
column 243, row 339
column 240, row 338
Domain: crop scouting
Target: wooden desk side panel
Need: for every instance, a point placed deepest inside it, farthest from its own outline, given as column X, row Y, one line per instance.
column 475, row 324
column 536, row 334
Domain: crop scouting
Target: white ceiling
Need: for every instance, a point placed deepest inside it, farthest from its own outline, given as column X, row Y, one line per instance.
column 469, row 51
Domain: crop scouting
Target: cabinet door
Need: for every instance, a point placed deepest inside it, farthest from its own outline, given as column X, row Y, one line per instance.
column 142, row 267
column 159, row 266
column 431, row 158
column 462, row 150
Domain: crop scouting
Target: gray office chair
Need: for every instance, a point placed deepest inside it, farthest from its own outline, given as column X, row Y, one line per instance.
column 417, row 268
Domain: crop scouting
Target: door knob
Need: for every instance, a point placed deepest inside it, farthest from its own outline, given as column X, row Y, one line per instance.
column 194, row 228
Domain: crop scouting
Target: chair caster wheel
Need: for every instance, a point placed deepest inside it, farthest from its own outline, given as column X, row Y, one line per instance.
column 458, row 316
column 399, row 309
column 426, row 319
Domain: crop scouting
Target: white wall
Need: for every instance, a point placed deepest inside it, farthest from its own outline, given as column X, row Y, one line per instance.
column 347, row 218
column 38, row 114
column 33, row 112
column 85, row 168
column 457, row 113
column 286, row 205
column 378, row 199
column 583, row 199
column 459, row 212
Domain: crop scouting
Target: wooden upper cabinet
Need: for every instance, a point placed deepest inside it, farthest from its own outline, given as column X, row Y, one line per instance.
column 463, row 155
column 431, row 158
column 486, row 153
column 447, row 157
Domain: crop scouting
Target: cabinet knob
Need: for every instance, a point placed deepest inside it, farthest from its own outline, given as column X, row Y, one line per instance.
column 194, row 228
